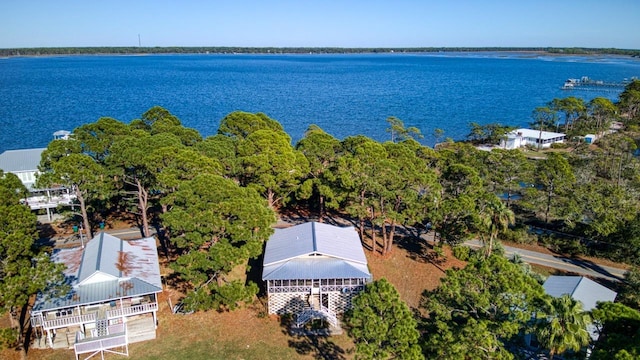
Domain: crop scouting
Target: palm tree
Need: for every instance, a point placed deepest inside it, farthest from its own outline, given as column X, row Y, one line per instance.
column 563, row 326
column 543, row 117
column 494, row 218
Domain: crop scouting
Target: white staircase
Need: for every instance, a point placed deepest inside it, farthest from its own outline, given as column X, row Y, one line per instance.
column 315, row 311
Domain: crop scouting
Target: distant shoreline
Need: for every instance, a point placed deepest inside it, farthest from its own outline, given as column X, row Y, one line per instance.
column 140, row 51
column 495, row 54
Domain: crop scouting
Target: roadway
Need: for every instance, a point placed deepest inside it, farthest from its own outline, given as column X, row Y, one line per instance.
column 578, row 266
column 65, row 241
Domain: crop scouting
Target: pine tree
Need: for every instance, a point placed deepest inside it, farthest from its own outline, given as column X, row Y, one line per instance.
column 382, row 324
column 24, row 269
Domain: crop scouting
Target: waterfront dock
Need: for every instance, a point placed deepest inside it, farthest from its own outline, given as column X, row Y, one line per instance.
column 586, row 83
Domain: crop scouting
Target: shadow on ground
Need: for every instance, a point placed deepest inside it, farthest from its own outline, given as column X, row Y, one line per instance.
column 309, row 344
column 590, row 265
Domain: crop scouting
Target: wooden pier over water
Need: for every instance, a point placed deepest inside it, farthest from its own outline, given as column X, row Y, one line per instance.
column 586, row 83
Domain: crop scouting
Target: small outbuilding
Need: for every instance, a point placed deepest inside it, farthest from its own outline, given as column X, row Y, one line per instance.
column 314, row 268
column 590, row 138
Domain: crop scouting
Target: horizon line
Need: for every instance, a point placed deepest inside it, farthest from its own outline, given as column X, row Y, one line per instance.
column 316, row 47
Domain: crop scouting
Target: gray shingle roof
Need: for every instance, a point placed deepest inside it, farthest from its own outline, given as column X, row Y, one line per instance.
column 20, row 160
column 580, row 288
column 314, row 251
column 107, row 268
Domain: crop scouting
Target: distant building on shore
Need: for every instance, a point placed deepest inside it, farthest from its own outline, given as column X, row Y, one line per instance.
column 24, row 164
column 523, row 137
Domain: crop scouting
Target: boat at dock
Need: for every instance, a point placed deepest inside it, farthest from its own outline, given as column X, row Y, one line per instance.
column 586, row 83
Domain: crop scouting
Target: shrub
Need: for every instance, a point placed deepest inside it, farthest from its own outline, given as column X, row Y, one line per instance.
column 461, row 252
column 571, row 247
column 8, row 338
column 518, row 235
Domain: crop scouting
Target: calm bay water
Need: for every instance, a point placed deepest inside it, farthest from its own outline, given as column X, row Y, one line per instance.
column 343, row 94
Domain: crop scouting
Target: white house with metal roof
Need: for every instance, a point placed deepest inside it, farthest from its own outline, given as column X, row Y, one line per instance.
column 523, row 137
column 314, row 267
column 580, row 288
column 112, row 299
column 24, row 164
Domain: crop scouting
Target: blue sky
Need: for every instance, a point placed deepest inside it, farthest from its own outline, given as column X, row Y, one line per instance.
column 346, row 23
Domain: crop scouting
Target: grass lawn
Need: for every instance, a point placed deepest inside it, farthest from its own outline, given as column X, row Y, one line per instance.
column 248, row 333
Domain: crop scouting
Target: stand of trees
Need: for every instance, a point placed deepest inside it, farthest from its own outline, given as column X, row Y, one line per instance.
column 214, row 200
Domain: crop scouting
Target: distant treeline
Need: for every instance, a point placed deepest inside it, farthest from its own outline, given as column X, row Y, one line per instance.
column 294, row 50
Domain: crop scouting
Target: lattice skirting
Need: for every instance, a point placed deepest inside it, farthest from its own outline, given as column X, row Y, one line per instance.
column 295, row 302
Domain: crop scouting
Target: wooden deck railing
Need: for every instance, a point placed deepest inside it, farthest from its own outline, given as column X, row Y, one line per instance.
column 289, row 289
column 43, row 202
column 132, row 310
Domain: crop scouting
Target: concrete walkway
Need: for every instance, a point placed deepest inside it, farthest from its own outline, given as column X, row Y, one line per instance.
column 578, row 266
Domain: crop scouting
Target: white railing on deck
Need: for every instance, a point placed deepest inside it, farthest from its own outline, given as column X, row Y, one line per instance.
column 310, row 313
column 65, row 321
column 69, row 321
column 132, row 310
column 329, row 315
column 36, row 320
column 100, row 344
column 43, row 202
